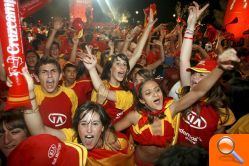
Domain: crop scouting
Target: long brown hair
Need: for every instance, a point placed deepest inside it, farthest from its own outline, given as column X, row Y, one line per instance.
column 85, row 109
column 106, row 74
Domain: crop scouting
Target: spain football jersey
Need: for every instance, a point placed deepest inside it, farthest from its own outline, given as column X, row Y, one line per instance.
column 57, row 109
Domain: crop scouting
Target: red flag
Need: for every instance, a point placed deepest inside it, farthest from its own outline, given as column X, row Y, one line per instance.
column 147, row 12
column 29, row 7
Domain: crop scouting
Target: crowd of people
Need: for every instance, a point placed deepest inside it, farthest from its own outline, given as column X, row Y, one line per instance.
column 144, row 95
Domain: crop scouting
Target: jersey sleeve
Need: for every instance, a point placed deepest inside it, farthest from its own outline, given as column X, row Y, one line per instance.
column 39, row 95
column 174, row 121
column 168, row 113
column 73, row 98
column 70, row 135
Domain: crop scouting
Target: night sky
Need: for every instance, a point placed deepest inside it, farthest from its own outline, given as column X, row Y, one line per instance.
column 165, row 9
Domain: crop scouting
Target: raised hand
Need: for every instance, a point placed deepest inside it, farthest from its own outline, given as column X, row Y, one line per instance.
column 89, row 60
column 158, row 42
column 195, row 13
column 137, row 30
column 75, row 40
column 227, row 59
column 58, row 23
column 151, row 20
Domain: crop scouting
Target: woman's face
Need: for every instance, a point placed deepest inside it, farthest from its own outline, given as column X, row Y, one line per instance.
column 152, row 95
column 10, row 138
column 90, row 129
column 31, row 59
column 118, row 70
column 196, row 78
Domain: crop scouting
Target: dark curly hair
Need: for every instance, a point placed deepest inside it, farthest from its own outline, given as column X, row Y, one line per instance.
column 106, row 74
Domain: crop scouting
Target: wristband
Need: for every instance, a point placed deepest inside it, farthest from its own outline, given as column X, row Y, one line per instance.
column 189, row 32
column 190, row 38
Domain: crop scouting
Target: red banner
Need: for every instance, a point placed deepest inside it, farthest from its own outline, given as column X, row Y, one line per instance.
column 31, row 6
column 13, row 55
column 80, row 9
column 239, row 9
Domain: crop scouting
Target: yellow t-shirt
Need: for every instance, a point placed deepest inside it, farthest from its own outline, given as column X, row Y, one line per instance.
column 70, row 135
column 241, row 126
column 40, row 96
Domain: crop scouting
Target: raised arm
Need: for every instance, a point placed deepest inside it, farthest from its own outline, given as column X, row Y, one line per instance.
column 186, row 49
column 179, row 36
column 204, row 54
column 129, row 119
column 74, row 50
column 129, row 37
column 90, row 62
column 57, row 25
column 142, row 41
column 162, row 57
column 225, row 61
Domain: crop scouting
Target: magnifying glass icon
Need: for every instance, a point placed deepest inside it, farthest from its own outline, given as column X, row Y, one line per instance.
column 226, row 146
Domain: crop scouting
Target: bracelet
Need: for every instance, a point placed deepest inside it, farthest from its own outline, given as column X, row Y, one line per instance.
column 191, row 38
column 188, row 32
column 31, row 111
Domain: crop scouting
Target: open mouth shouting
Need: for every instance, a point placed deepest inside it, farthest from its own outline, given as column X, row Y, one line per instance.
column 50, row 85
column 121, row 75
column 157, row 101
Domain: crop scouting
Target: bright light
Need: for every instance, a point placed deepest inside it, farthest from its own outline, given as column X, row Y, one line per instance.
column 136, row 12
column 124, row 18
column 174, row 15
column 106, row 8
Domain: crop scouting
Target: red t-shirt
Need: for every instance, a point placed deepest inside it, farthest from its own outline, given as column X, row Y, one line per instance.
column 83, row 90
column 152, row 57
column 57, row 117
column 114, row 113
column 198, row 129
column 57, row 109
